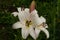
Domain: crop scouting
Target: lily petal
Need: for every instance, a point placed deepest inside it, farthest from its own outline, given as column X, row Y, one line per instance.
column 24, row 15
column 15, row 13
column 19, row 9
column 32, row 33
column 35, row 18
column 21, row 16
column 45, row 31
column 27, row 14
column 25, row 33
column 42, row 19
column 27, row 9
column 17, row 25
column 37, row 31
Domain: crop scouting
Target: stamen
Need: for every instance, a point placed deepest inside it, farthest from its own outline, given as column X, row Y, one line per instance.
column 28, row 23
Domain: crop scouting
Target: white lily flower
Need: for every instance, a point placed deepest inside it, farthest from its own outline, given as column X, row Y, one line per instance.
column 39, row 23
column 28, row 22
column 25, row 23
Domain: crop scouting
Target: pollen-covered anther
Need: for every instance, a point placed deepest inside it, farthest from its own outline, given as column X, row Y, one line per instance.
column 28, row 23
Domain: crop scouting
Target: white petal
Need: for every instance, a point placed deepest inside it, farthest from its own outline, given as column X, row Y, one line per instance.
column 26, row 9
column 37, row 31
column 19, row 9
column 35, row 18
column 34, row 11
column 17, row 25
column 22, row 16
column 32, row 33
column 25, row 33
column 42, row 19
column 27, row 14
column 45, row 31
column 15, row 13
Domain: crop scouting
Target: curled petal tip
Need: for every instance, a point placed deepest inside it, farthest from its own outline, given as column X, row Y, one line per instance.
column 46, row 32
column 15, row 14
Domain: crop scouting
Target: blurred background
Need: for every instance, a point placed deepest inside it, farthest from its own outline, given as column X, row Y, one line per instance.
column 46, row 8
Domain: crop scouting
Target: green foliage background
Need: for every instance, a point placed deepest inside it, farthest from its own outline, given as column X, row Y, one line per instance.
column 47, row 8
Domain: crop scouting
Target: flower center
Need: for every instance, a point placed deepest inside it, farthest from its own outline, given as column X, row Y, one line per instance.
column 28, row 23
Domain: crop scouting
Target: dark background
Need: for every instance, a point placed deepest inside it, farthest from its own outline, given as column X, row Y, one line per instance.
column 46, row 8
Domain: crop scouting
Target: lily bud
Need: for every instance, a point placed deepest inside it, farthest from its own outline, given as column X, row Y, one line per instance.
column 32, row 6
